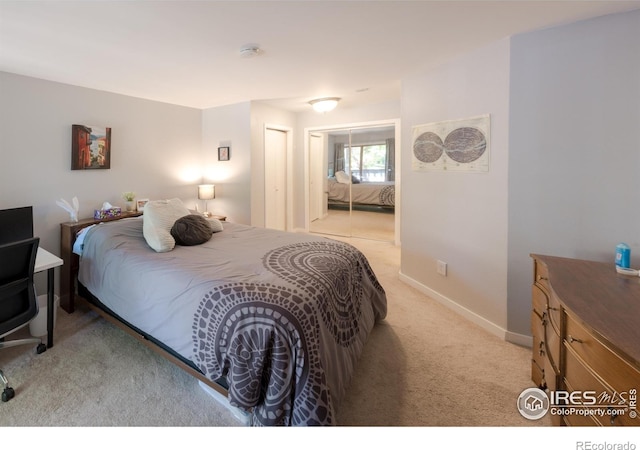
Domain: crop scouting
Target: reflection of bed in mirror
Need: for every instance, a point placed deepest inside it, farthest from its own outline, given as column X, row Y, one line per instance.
column 376, row 194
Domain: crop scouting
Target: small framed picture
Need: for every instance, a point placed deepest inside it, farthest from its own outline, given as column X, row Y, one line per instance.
column 223, row 154
column 90, row 147
column 141, row 202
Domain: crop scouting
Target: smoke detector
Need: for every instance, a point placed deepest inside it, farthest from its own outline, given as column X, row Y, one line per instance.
column 250, row 50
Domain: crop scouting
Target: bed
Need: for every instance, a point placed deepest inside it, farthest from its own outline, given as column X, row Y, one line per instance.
column 276, row 321
column 380, row 194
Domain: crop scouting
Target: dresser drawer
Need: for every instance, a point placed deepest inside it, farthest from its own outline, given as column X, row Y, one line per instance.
column 538, row 351
column 551, row 377
column 554, row 310
column 539, row 299
column 541, row 274
column 552, row 342
column 610, row 407
column 542, row 301
column 537, row 374
column 619, row 374
column 537, row 331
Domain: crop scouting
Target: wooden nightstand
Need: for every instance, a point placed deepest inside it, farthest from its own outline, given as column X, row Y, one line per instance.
column 216, row 216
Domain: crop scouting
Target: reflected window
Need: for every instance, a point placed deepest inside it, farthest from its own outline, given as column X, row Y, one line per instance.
column 369, row 162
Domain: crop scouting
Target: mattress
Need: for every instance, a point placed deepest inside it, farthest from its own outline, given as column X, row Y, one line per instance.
column 283, row 317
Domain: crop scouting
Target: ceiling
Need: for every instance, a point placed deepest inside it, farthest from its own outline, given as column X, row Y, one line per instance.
column 188, row 52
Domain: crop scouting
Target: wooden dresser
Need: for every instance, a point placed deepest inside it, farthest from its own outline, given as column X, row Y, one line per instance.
column 586, row 340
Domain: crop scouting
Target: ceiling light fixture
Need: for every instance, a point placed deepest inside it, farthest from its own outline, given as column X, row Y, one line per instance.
column 250, row 50
column 323, row 105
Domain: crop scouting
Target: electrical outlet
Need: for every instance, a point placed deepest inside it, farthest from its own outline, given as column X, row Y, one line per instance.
column 442, row 268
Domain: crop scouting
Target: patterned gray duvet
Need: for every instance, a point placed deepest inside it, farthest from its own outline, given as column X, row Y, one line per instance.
column 282, row 316
column 363, row 193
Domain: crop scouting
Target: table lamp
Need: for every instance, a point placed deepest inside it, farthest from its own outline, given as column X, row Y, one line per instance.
column 206, row 192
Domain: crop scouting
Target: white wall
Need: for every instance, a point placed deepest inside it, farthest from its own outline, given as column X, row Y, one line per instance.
column 564, row 170
column 574, row 170
column 228, row 126
column 155, row 150
column 459, row 218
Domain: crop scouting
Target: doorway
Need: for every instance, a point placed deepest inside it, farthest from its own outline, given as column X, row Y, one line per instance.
column 352, row 181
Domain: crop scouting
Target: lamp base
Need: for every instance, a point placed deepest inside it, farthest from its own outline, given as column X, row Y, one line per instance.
column 207, row 214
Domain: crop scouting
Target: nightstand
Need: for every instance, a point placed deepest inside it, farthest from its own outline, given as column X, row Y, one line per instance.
column 69, row 269
column 216, row 216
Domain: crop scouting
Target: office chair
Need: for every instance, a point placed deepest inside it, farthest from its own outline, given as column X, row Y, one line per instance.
column 18, row 301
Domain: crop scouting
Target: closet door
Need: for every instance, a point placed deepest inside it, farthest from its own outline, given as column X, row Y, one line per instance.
column 340, row 204
column 328, row 154
column 317, row 177
column 275, row 195
column 369, row 168
column 356, row 168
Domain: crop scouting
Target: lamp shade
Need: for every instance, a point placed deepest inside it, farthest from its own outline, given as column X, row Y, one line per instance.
column 206, row 191
column 323, row 105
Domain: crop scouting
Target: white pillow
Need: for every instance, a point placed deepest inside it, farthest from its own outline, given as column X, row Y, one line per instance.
column 343, row 177
column 216, row 225
column 157, row 220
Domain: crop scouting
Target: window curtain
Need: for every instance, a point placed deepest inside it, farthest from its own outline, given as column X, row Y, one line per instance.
column 338, row 158
column 391, row 159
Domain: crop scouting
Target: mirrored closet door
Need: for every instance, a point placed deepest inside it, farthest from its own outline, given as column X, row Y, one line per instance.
column 352, row 182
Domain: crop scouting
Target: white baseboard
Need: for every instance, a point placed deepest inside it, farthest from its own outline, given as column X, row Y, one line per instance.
column 519, row 339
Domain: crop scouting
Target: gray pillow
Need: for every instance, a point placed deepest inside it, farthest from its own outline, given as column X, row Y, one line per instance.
column 192, row 229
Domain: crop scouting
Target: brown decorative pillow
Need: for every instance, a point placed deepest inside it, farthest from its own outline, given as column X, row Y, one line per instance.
column 192, row 229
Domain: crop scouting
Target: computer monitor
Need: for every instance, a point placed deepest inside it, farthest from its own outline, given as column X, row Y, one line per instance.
column 16, row 224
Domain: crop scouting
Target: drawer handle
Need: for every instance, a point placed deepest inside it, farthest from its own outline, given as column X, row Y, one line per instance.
column 572, row 340
column 541, row 348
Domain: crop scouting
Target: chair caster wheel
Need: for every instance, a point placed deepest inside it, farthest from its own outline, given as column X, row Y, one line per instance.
column 41, row 348
column 8, row 394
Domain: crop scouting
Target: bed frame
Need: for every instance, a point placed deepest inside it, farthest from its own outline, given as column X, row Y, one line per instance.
column 337, row 204
column 71, row 289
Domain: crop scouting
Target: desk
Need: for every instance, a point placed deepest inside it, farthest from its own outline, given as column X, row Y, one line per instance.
column 47, row 261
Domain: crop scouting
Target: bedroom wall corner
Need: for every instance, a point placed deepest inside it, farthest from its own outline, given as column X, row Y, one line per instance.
column 228, row 126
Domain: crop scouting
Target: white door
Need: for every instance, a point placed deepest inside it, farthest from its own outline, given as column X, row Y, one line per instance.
column 275, row 179
column 317, row 177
